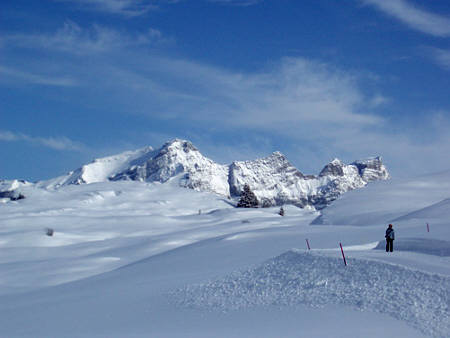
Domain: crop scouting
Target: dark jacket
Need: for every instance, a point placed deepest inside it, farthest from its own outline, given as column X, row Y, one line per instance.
column 390, row 233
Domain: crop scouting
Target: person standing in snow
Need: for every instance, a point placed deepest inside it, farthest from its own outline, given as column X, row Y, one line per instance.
column 390, row 236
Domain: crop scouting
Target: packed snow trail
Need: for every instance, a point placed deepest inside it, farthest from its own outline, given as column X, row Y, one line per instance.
column 318, row 279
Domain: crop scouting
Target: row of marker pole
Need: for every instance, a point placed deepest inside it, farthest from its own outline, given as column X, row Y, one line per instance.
column 342, row 250
column 340, row 244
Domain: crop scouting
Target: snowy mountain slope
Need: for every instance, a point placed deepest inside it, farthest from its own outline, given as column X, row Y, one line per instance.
column 438, row 210
column 100, row 170
column 386, row 201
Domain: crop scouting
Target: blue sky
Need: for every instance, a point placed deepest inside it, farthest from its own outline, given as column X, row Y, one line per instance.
column 314, row 79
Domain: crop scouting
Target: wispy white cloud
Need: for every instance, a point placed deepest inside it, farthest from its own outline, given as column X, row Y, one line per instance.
column 56, row 143
column 237, row 2
column 415, row 17
column 127, row 8
column 75, row 39
column 441, row 57
column 378, row 100
column 33, row 78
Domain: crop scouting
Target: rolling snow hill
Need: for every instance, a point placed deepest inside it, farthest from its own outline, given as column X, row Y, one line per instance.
column 152, row 259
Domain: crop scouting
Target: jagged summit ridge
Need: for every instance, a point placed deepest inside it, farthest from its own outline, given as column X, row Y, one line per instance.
column 180, row 157
column 273, row 179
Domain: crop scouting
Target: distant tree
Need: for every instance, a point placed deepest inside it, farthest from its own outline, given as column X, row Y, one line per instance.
column 248, row 198
column 281, row 212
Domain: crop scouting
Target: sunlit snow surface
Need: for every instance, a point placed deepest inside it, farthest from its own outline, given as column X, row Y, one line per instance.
column 132, row 259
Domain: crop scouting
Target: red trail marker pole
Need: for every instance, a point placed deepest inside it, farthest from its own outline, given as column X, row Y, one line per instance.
column 343, row 256
column 307, row 243
column 428, row 227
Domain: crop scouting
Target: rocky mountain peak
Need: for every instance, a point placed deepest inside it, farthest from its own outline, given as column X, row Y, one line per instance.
column 176, row 145
column 334, row 168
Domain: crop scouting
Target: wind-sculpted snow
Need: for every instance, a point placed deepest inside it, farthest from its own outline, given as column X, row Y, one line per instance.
column 317, row 280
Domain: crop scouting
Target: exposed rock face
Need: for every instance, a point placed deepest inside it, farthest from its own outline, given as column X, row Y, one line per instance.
column 334, row 168
column 274, row 180
column 371, row 169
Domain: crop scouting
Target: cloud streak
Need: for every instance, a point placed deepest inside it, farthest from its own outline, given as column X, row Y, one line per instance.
column 33, row 78
column 441, row 57
column 126, row 8
column 56, row 143
column 413, row 16
column 74, row 39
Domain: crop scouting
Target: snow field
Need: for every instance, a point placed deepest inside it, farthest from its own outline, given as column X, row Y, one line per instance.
column 120, row 248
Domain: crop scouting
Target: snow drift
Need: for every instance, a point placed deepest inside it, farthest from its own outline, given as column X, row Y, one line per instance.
column 296, row 277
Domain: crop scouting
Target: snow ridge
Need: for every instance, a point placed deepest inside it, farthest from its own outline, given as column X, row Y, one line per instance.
column 317, row 280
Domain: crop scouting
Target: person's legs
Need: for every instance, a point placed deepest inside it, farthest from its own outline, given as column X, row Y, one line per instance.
column 391, row 245
column 387, row 244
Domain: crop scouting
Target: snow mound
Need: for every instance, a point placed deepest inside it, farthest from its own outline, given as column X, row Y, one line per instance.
column 317, row 280
column 434, row 247
column 437, row 210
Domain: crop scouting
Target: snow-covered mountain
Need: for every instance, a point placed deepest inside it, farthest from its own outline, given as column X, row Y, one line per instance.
column 179, row 158
column 274, row 180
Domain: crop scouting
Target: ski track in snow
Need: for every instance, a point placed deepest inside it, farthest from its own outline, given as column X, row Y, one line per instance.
column 317, row 279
